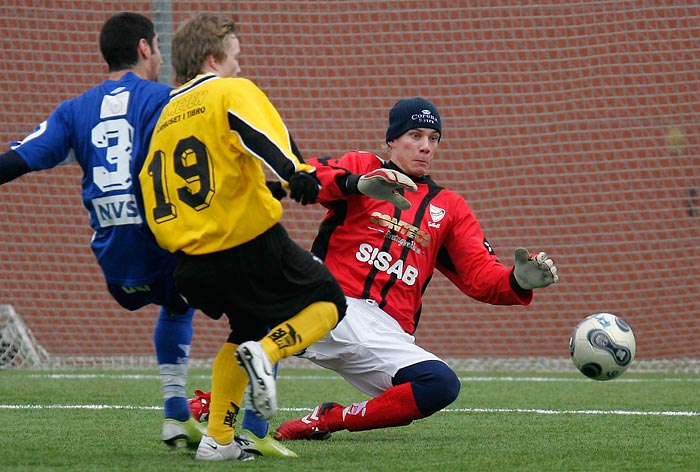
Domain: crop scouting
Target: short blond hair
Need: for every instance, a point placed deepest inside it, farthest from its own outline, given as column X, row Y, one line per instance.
column 195, row 40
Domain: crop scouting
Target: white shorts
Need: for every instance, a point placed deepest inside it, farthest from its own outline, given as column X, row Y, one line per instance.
column 367, row 348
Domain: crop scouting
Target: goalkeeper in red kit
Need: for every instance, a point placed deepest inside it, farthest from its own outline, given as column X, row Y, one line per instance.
column 388, row 227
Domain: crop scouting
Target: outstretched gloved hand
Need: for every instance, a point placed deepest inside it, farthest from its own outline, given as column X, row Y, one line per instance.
column 383, row 184
column 534, row 270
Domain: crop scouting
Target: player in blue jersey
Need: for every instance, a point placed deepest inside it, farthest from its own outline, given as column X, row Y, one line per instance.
column 107, row 130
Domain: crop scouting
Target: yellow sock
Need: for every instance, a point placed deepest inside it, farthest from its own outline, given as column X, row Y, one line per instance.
column 228, row 384
column 300, row 331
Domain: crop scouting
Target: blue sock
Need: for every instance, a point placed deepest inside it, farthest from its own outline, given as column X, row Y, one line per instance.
column 255, row 424
column 172, row 339
column 435, row 385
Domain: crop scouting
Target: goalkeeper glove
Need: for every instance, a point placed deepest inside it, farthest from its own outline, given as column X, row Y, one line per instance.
column 534, row 270
column 304, row 187
column 383, row 184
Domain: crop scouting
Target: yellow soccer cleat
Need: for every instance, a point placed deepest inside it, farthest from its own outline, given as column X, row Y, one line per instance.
column 177, row 434
column 267, row 446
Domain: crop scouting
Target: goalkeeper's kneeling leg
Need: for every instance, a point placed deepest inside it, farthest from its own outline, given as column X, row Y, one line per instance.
column 435, row 385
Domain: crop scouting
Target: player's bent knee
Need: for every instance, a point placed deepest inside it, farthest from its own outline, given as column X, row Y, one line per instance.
column 435, row 385
column 444, row 388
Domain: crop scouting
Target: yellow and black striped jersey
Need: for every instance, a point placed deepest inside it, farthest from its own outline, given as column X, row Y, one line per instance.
column 203, row 182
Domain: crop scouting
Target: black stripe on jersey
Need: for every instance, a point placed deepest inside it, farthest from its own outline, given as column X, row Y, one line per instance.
column 262, row 147
column 195, row 83
column 433, row 190
column 369, row 280
column 295, row 149
column 339, row 211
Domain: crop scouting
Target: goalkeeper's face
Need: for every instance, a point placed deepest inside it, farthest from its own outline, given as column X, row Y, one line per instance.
column 414, row 150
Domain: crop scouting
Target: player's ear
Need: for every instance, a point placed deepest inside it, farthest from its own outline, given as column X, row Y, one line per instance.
column 211, row 64
column 145, row 50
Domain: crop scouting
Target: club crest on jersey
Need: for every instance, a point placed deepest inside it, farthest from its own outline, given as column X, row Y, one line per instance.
column 436, row 214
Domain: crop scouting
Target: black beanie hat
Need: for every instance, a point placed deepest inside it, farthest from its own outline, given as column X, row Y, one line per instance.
column 411, row 113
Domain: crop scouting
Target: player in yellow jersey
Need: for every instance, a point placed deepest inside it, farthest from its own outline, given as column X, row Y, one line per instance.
column 206, row 200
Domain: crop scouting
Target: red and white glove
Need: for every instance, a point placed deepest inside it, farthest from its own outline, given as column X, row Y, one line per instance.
column 383, row 184
column 199, row 405
column 534, row 270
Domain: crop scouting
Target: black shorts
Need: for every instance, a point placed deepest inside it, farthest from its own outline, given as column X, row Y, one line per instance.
column 258, row 284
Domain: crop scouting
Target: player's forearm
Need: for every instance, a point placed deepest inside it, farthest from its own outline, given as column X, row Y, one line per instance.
column 333, row 179
column 11, row 166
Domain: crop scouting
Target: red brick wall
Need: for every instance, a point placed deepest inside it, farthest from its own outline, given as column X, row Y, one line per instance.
column 555, row 116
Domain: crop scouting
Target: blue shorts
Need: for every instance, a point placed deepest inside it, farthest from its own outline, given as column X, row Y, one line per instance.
column 160, row 292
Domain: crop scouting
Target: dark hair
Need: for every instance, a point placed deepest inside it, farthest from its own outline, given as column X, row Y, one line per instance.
column 120, row 36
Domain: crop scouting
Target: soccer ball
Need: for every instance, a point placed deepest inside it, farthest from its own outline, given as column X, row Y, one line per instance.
column 602, row 346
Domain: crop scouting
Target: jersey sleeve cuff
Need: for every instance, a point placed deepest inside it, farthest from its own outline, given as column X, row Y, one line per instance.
column 348, row 184
column 521, row 292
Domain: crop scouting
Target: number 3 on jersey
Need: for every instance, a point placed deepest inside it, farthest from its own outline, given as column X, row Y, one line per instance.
column 190, row 163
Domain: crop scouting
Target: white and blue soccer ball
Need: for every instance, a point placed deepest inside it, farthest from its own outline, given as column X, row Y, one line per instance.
column 602, row 346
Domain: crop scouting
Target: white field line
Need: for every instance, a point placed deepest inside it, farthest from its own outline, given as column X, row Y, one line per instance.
column 447, row 410
column 326, row 378
column 332, row 377
column 573, row 412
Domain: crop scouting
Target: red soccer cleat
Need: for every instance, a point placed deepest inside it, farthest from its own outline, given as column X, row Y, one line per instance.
column 311, row 426
column 199, row 405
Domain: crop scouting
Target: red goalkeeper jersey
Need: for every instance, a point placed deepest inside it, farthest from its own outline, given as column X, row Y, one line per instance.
column 379, row 252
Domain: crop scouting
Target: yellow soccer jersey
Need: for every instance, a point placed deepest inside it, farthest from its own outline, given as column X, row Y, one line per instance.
column 203, row 183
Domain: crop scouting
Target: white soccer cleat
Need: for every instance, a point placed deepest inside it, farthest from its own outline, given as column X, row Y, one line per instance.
column 210, row 450
column 263, row 394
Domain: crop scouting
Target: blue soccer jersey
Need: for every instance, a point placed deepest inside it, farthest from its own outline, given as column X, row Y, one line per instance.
column 107, row 130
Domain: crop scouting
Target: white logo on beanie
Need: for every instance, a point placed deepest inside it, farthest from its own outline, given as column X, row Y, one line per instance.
column 425, row 116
